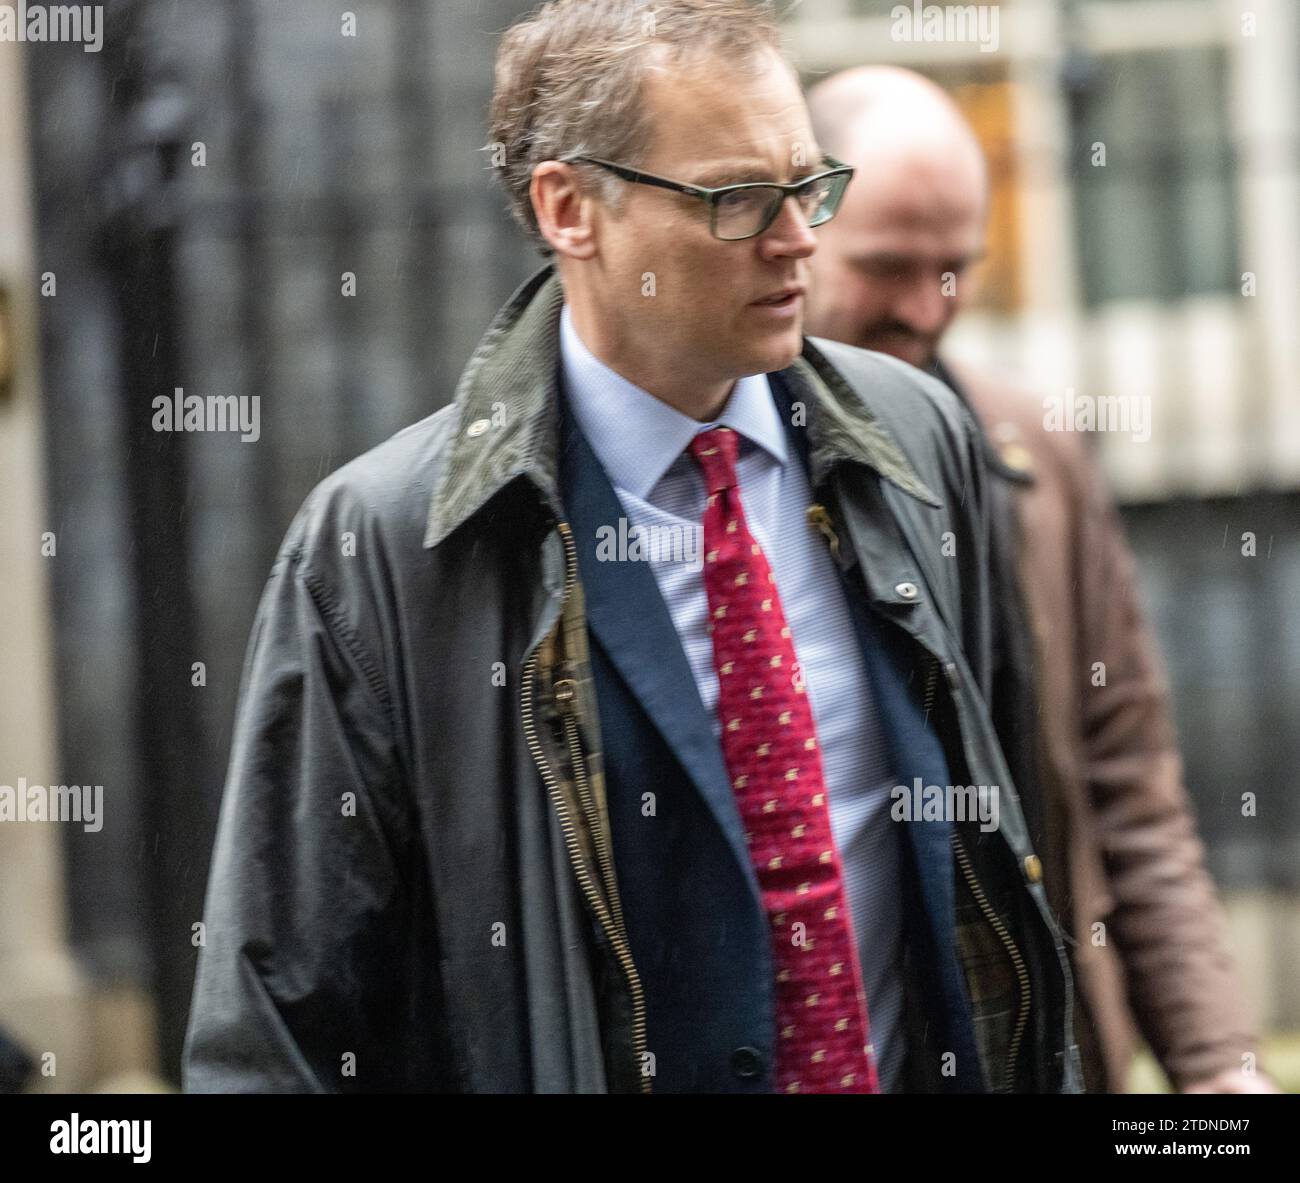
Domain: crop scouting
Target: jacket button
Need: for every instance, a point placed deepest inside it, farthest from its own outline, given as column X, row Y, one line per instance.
column 907, row 590
column 747, row 1062
column 1033, row 868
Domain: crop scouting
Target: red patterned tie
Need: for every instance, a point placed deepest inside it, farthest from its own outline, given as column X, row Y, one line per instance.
column 769, row 745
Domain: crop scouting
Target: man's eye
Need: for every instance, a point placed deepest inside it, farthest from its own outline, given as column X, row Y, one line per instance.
column 882, row 268
column 743, row 198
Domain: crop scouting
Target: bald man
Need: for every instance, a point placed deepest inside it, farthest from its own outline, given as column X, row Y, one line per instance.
column 1079, row 698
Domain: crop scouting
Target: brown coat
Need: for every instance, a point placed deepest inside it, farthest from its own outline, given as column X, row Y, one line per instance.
column 1120, row 847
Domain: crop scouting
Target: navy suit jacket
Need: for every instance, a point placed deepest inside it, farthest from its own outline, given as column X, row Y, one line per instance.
column 699, row 935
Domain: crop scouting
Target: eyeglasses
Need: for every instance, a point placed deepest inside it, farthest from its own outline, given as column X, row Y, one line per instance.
column 744, row 211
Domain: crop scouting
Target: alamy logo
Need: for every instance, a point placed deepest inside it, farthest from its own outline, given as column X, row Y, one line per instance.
column 975, row 23
column 91, row 1136
column 625, row 543
column 1083, row 412
column 190, row 412
column 54, row 22
column 53, row 803
column 949, row 803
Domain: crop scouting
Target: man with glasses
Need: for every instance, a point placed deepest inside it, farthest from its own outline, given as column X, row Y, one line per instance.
column 629, row 747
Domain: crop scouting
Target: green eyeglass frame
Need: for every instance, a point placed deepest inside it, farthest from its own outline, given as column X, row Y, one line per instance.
column 841, row 174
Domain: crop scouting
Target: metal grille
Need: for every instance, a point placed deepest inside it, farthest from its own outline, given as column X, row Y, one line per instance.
column 203, row 184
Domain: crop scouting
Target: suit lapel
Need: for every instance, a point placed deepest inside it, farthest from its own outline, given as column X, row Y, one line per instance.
column 628, row 619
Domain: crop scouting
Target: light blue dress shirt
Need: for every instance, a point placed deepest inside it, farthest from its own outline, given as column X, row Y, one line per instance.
column 641, row 443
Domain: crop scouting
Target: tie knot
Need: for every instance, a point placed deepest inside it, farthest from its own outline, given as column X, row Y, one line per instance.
column 715, row 451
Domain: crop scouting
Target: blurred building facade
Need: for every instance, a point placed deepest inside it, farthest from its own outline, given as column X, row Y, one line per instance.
column 279, row 201
column 45, row 1000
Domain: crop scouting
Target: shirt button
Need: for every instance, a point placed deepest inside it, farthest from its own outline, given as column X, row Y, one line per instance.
column 907, row 590
column 478, row 427
column 747, row 1062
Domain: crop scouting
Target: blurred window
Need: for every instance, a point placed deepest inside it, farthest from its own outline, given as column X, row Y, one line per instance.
column 989, row 105
column 1158, row 219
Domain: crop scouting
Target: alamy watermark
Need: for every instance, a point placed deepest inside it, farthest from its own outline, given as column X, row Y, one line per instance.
column 1129, row 413
column 974, row 23
column 947, row 803
column 216, row 412
column 102, row 1135
column 54, row 22
column 53, row 803
column 672, row 543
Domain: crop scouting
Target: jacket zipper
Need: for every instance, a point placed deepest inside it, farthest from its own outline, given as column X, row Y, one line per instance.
column 611, row 925
column 567, row 701
column 820, row 517
column 931, row 675
column 995, row 921
column 1022, row 975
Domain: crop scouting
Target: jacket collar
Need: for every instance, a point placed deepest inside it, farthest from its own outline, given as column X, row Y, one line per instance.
column 507, row 425
column 1009, row 459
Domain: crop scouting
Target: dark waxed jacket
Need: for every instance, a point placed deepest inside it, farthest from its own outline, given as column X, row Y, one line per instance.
column 412, row 886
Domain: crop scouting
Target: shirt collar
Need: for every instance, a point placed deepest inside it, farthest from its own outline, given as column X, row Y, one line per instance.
column 637, row 437
column 516, row 368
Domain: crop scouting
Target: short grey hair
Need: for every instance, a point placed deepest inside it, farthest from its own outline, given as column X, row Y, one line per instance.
column 569, row 80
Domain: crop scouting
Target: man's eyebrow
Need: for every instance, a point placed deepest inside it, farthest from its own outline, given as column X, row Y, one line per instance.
column 882, row 259
column 741, row 173
column 902, row 259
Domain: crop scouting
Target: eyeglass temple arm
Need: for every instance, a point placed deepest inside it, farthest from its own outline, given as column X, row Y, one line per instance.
column 639, row 177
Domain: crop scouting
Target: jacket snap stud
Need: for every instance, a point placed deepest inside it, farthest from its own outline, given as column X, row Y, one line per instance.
column 907, row 590
column 478, row 427
column 747, row 1062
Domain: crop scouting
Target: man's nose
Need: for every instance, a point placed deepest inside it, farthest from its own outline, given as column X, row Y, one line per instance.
column 789, row 234
column 923, row 307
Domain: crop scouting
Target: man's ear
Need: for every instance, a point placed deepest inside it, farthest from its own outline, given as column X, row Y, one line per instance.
column 564, row 212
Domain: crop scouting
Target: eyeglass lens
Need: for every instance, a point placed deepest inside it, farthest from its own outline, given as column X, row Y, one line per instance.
column 746, row 212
